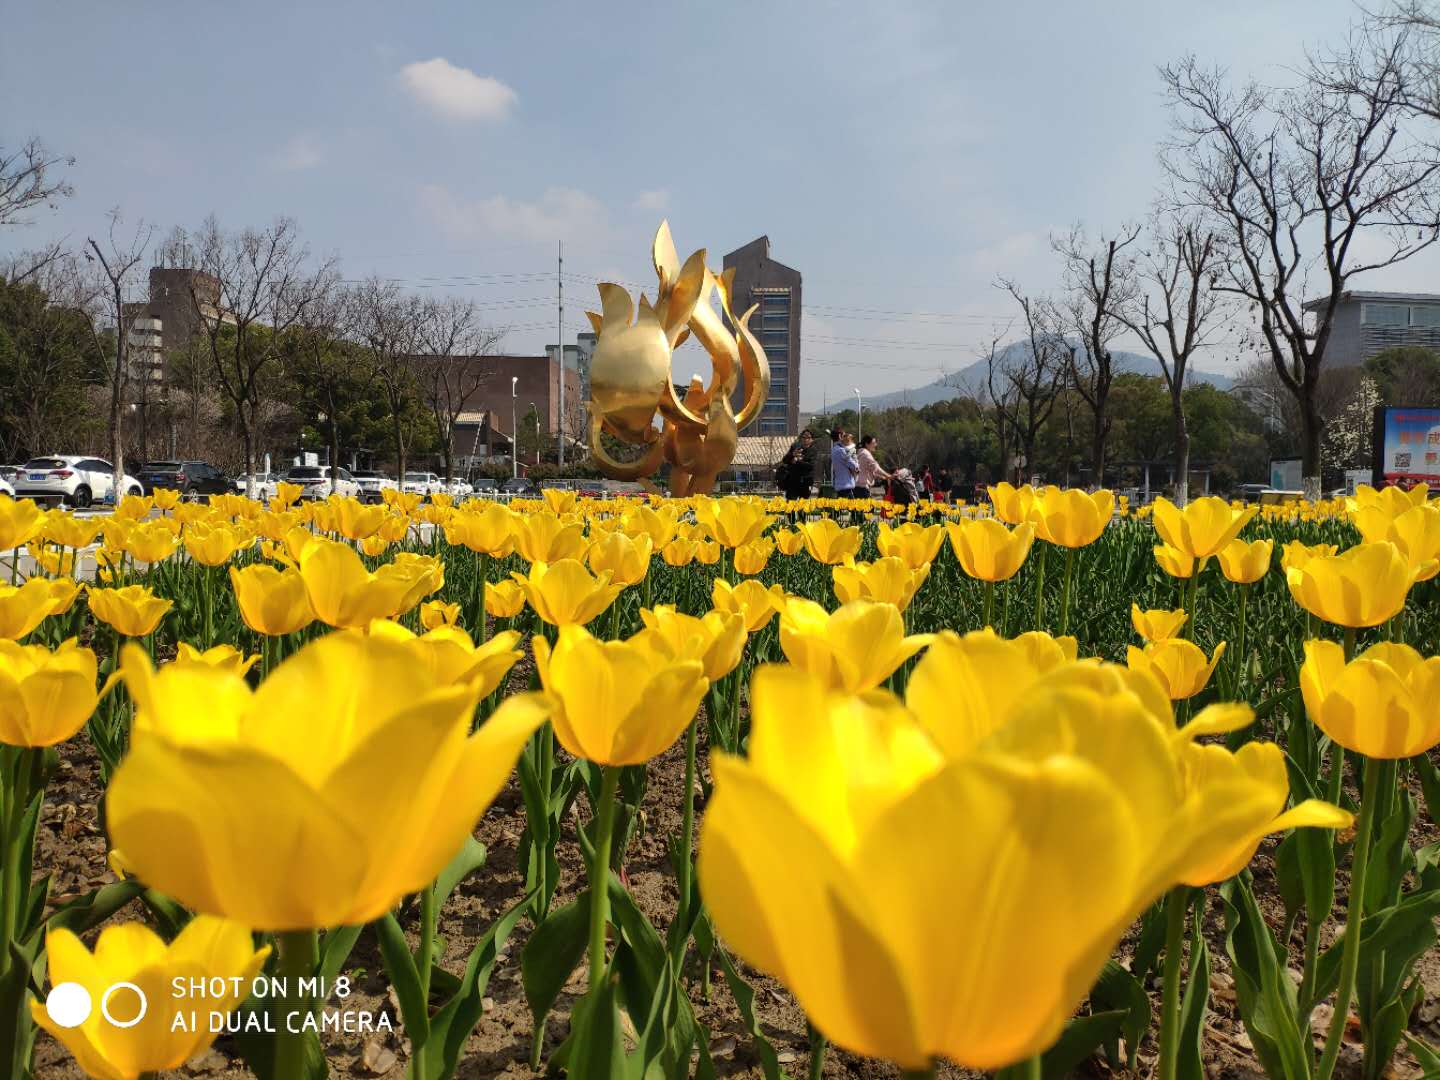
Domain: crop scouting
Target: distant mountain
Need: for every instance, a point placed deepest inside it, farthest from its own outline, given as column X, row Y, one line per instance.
column 971, row 382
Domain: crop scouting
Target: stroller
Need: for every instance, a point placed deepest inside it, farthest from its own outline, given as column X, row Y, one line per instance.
column 903, row 489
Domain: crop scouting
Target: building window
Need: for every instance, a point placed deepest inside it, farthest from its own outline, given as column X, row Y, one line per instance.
column 1425, row 315
column 772, row 427
column 1385, row 314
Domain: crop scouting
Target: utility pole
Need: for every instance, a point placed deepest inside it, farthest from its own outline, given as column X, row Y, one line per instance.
column 560, row 340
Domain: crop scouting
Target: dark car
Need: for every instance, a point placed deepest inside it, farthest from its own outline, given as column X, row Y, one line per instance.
column 190, row 478
column 519, row 486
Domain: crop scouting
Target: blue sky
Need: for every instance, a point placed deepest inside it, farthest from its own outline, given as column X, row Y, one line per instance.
column 901, row 155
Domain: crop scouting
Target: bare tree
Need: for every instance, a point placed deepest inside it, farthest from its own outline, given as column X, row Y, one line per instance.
column 119, row 261
column 1032, row 374
column 1099, row 282
column 1310, row 186
column 387, row 322
column 253, row 285
column 317, row 357
column 29, row 178
column 451, row 368
column 1175, row 311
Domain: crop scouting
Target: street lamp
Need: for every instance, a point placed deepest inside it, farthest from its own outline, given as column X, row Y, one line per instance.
column 537, row 431
column 514, row 431
column 859, row 414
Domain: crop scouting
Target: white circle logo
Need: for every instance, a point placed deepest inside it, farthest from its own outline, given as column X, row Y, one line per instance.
column 68, row 1004
column 105, row 1004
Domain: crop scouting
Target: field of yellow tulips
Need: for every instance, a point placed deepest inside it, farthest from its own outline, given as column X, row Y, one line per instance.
column 653, row 788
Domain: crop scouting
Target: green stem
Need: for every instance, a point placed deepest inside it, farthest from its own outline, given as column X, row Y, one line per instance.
column 423, row 969
column 14, row 797
column 1241, row 657
column 297, row 961
column 600, row 872
column 1030, row 1068
column 989, row 602
column 1349, row 643
column 928, row 1073
column 481, row 570
column 1040, row 585
column 209, row 608
column 1354, row 914
column 1176, row 908
column 687, row 833
column 1065, row 593
column 818, row 1045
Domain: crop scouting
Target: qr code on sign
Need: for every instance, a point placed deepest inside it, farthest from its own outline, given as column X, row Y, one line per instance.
column 1402, row 461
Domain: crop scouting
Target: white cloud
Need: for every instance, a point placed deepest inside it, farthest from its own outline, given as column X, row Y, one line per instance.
column 457, row 92
column 658, row 200
column 301, row 151
column 559, row 214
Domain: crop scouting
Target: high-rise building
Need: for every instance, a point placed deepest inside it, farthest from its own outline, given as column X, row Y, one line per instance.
column 775, row 287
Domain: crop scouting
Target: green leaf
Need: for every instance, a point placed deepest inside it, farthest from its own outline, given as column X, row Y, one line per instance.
column 1082, row 1036
column 335, row 948
column 1425, row 1054
column 551, row 955
column 744, row 995
column 1264, row 993
column 404, row 977
column 467, row 860
column 597, row 1049
column 1190, row 1064
column 1115, row 989
column 452, row 1025
column 1429, row 776
column 88, row 911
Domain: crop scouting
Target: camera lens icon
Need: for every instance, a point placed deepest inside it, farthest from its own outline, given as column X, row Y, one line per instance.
column 69, row 1004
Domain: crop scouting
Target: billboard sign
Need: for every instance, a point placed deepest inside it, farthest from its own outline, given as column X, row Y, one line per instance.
column 1407, row 446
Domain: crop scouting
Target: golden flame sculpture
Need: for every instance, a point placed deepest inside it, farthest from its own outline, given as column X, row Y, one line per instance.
column 630, row 377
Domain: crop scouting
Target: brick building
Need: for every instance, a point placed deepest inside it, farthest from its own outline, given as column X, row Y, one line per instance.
column 486, row 421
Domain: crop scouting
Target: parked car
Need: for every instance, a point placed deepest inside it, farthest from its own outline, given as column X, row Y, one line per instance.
column 486, row 488
column 5, row 488
column 371, row 484
column 461, row 488
column 519, row 485
column 79, row 481
column 191, row 478
column 422, row 483
column 264, row 485
column 314, row 481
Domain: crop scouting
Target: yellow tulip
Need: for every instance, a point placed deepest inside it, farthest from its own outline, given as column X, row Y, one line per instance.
column 855, row 648
column 717, row 639
column 1203, row 528
column 66, row 530
column 548, row 539
column 841, row 797
column 346, row 781
column 134, row 611
column 57, row 563
column 1178, row 665
column 659, row 525
column 135, row 507
column 272, row 602
column 452, row 657
column 887, row 581
column 403, row 501
column 227, row 657
column 616, row 702
column 751, row 558
column 166, row 499
column 286, row 494
column 987, row 550
column 1012, row 505
column 986, row 672
column 434, row 613
column 1382, row 704
column 20, row 522
column 152, row 541
column 1245, row 563
column 214, row 545
column 1072, row 518
column 24, row 607
column 678, row 552
column 1257, row 769
column 917, row 545
column 374, row 546
column 1363, row 586
column 45, row 696
column 1391, row 501
column 828, row 543
column 1295, row 555
column 749, row 599
column 504, row 599
column 733, row 520
column 708, row 552
column 355, row 520
column 559, row 500
column 626, row 560
column 1177, row 563
column 1415, row 531
column 343, row 593
column 565, row 592
column 131, row 955
column 63, row 591
column 1157, row 624
column 488, row 531
column 789, row 541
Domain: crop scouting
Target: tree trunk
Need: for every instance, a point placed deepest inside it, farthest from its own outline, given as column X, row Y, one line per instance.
column 1097, row 446
column 334, row 439
column 248, row 441
column 1311, row 428
column 399, row 444
column 117, row 403
column 1182, row 451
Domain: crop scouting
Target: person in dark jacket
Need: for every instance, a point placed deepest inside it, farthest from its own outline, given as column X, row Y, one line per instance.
column 797, row 471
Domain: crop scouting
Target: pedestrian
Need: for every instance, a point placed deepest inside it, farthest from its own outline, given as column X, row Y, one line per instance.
column 844, row 468
column 942, row 483
column 870, row 470
column 799, row 467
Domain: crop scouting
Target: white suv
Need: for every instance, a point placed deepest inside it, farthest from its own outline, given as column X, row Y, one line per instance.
column 372, row 484
column 79, row 481
column 314, row 481
column 422, row 483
